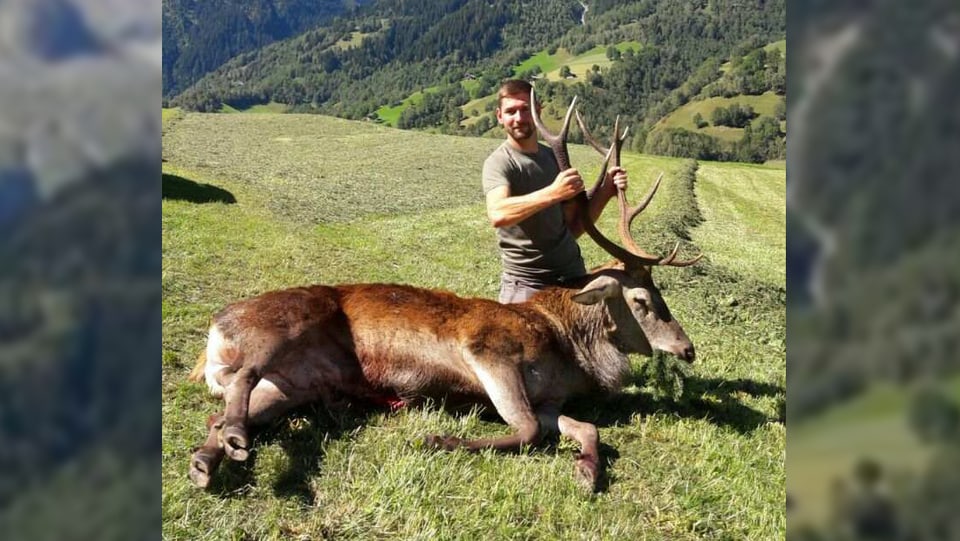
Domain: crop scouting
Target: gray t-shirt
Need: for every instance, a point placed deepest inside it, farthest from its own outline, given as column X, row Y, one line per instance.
column 541, row 248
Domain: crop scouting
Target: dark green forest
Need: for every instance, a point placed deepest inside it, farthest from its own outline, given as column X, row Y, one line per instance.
column 382, row 52
column 199, row 36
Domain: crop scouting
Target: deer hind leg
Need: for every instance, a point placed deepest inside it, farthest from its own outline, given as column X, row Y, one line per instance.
column 207, row 457
column 233, row 435
column 504, row 386
column 260, row 351
column 267, row 402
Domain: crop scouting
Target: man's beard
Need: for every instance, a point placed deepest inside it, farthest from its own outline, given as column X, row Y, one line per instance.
column 522, row 132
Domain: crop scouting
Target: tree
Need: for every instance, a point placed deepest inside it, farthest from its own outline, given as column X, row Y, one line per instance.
column 735, row 116
column 698, row 121
column 683, row 143
column 934, row 417
column 761, row 141
column 780, row 109
column 565, row 72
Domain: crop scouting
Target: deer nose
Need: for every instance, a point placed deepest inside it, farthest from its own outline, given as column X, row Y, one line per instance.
column 687, row 354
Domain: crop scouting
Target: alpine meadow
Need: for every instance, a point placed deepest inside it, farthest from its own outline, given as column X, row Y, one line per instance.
column 258, row 202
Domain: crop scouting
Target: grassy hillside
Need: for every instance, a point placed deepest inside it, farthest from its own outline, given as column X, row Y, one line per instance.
column 390, row 114
column 272, row 107
column 826, row 448
column 550, row 64
column 763, row 104
column 257, row 202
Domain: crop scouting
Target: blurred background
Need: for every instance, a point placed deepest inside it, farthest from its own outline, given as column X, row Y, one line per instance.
column 80, row 85
column 873, row 270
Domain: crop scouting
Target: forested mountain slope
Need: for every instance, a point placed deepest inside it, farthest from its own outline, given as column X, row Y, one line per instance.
column 386, row 51
column 200, row 35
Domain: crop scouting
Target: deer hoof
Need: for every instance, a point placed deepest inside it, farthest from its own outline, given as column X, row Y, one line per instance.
column 447, row 443
column 234, row 439
column 586, row 473
column 202, row 465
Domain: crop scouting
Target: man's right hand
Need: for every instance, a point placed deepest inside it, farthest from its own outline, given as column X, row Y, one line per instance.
column 567, row 184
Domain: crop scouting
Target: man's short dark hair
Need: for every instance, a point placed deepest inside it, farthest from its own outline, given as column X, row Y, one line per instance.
column 511, row 87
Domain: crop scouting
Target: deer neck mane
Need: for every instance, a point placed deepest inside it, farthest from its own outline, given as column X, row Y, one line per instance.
column 586, row 328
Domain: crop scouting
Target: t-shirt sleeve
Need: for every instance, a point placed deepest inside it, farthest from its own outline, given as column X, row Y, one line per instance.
column 495, row 173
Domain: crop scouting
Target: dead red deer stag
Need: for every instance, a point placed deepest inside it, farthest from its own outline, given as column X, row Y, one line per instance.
column 376, row 342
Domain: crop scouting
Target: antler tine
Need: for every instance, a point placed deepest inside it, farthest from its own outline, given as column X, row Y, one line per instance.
column 618, row 139
column 669, row 260
column 557, row 142
column 630, row 214
column 627, row 256
column 646, row 200
column 673, row 254
column 627, row 215
column 589, row 137
column 592, row 141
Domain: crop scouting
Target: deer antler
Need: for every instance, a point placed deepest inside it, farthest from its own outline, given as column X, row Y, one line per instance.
column 636, row 255
column 559, row 145
column 615, row 147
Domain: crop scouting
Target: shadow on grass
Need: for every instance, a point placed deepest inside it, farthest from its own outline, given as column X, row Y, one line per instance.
column 183, row 189
column 713, row 399
column 301, row 435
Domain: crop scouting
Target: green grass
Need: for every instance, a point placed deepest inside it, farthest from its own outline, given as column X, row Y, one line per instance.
column 168, row 114
column 763, row 104
column 545, row 61
column 827, row 447
column 390, row 114
column 752, row 243
column 354, row 39
column 580, row 64
column 322, row 200
column 550, row 64
column 265, row 108
column 479, row 105
column 779, row 45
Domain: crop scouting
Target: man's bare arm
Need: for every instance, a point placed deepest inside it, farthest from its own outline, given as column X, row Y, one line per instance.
column 505, row 210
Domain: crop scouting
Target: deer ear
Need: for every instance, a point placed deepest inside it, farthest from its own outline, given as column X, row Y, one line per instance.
column 601, row 288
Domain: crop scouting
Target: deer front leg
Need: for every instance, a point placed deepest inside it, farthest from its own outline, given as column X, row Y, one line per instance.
column 504, row 386
column 587, row 465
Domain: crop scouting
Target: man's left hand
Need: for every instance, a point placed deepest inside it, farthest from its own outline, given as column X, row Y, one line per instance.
column 616, row 179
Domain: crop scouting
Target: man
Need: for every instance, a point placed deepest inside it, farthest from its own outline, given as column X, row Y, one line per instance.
column 529, row 201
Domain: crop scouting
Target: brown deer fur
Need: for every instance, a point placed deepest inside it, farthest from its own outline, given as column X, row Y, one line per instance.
column 369, row 341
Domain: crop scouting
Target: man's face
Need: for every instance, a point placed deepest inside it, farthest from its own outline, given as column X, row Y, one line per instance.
column 514, row 115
